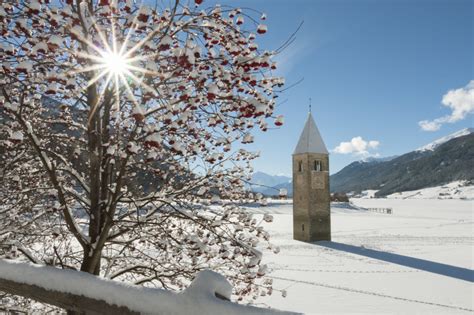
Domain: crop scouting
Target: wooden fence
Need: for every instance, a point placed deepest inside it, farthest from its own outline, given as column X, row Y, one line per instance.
column 82, row 293
column 381, row 210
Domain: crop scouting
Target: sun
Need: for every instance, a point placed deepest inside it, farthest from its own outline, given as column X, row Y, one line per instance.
column 115, row 63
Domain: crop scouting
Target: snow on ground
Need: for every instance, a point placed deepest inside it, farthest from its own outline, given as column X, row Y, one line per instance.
column 454, row 190
column 368, row 193
column 418, row 260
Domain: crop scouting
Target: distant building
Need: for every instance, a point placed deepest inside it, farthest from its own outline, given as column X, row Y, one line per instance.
column 311, row 197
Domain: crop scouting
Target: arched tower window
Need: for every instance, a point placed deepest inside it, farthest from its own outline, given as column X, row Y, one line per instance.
column 317, row 166
column 300, row 166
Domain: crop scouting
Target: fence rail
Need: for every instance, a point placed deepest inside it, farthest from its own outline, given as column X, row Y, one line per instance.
column 80, row 292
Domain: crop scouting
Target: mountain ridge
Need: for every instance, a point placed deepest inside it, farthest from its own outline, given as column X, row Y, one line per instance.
column 442, row 161
column 434, row 144
column 445, row 160
column 264, row 183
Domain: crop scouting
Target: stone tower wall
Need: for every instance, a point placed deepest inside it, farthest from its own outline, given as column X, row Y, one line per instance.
column 311, row 198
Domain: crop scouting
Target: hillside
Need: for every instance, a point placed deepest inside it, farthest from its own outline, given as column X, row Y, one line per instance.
column 446, row 160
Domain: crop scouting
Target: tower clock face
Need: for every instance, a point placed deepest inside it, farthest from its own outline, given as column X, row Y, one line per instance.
column 317, row 180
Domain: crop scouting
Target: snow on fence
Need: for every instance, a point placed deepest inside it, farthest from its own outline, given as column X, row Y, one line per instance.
column 209, row 293
column 381, row 210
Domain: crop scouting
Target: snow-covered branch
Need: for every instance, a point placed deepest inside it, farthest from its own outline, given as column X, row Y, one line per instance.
column 122, row 138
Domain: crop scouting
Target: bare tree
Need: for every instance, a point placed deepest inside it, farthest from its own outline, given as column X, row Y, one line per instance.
column 121, row 124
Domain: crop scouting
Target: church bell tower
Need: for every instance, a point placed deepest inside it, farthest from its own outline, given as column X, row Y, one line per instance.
column 311, row 198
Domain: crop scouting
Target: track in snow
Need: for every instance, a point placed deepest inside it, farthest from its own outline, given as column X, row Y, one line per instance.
column 325, row 285
column 346, row 271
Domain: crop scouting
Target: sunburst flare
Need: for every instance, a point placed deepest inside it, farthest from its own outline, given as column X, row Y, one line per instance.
column 116, row 63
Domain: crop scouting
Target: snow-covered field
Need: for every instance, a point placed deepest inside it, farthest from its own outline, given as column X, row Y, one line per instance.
column 460, row 189
column 454, row 190
column 418, row 260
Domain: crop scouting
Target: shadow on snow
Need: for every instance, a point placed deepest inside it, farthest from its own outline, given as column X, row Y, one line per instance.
column 416, row 263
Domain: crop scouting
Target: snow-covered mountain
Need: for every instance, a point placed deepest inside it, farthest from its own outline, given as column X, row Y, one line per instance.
column 445, row 160
column 264, row 183
column 433, row 145
column 261, row 178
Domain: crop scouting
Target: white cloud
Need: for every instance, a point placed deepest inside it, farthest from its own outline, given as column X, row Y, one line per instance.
column 373, row 144
column 461, row 103
column 357, row 146
column 427, row 125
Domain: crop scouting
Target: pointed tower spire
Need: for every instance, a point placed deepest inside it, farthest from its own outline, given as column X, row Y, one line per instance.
column 310, row 139
column 311, row 196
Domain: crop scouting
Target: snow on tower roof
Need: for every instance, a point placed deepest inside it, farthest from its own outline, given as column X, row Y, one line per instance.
column 310, row 139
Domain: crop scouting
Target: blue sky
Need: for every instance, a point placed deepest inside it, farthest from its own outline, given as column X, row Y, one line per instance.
column 374, row 69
